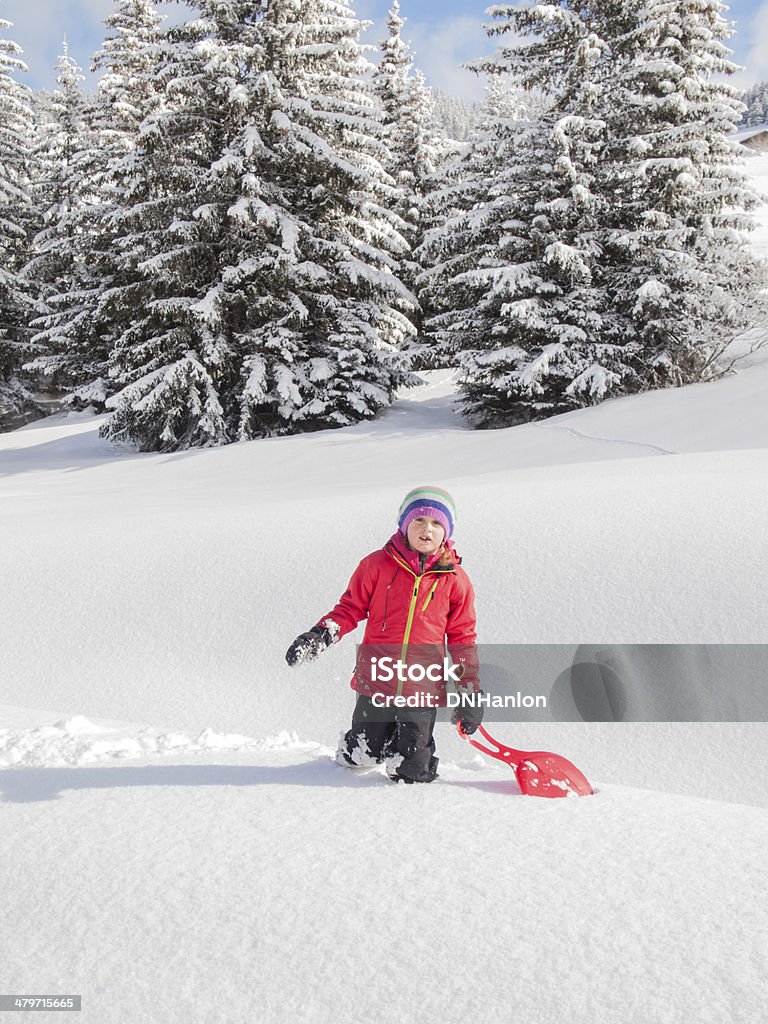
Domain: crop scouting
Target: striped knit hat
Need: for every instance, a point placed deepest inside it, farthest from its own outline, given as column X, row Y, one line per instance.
column 428, row 501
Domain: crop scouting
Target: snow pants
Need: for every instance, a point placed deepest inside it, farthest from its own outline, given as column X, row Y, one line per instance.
column 400, row 736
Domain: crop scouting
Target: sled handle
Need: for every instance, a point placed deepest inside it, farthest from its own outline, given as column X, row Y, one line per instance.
column 502, row 753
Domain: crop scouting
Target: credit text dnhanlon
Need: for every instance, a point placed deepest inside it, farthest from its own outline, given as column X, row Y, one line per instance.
column 454, row 700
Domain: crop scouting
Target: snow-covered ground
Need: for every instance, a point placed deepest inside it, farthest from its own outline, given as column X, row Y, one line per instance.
column 275, row 887
column 176, row 843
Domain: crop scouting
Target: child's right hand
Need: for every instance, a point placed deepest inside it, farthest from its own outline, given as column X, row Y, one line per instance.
column 308, row 646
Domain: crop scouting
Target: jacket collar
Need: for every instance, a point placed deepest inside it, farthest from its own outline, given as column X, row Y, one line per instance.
column 397, row 547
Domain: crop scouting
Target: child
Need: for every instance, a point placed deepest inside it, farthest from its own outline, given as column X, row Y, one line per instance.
column 415, row 596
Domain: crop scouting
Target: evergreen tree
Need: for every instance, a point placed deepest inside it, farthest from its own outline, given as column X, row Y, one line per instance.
column 452, row 117
column 519, row 295
column 128, row 97
column 755, row 99
column 127, row 91
column 80, row 324
column 408, row 117
column 466, row 216
column 91, row 146
column 328, row 310
column 272, row 296
column 16, row 122
column 172, row 361
column 414, row 147
column 621, row 264
column 680, row 270
column 553, row 341
column 60, row 271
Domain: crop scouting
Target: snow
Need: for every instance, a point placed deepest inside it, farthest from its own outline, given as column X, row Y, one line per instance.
column 78, row 741
column 274, row 891
column 176, row 842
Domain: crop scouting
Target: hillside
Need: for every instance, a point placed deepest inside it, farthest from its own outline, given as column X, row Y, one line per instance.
column 176, row 843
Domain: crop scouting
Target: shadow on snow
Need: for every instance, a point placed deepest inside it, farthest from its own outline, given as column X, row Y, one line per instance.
column 33, row 785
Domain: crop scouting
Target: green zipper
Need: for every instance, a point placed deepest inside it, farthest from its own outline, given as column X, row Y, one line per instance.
column 411, row 610
column 408, row 626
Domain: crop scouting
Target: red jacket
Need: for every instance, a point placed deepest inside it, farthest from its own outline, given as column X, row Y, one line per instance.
column 412, row 607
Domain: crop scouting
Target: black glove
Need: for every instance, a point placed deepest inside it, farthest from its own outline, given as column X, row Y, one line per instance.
column 308, row 646
column 468, row 715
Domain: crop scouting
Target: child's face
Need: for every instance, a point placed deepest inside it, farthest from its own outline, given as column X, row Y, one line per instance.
column 425, row 535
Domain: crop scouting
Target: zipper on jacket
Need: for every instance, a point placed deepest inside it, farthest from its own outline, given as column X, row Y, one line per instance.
column 408, row 626
column 414, row 597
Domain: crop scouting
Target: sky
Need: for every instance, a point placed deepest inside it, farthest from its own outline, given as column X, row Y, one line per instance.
column 443, row 34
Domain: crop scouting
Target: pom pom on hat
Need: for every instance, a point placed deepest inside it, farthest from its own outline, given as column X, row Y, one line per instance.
column 427, row 501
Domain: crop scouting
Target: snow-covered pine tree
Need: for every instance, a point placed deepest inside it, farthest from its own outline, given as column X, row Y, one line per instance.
column 267, row 257
column 529, row 314
column 392, row 80
column 16, row 125
column 172, row 359
column 755, row 99
column 82, row 322
column 452, row 117
column 171, row 93
column 60, row 270
column 463, row 217
column 624, row 248
column 408, row 117
column 680, row 271
column 59, row 144
column 322, row 310
column 127, row 90
column 413, row 142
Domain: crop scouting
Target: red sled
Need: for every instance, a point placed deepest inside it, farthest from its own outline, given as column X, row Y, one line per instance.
column 538, row 772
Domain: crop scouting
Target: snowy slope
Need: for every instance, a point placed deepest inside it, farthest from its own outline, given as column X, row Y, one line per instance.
column 175, row 842
column 281, row 890
column 165, row 589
